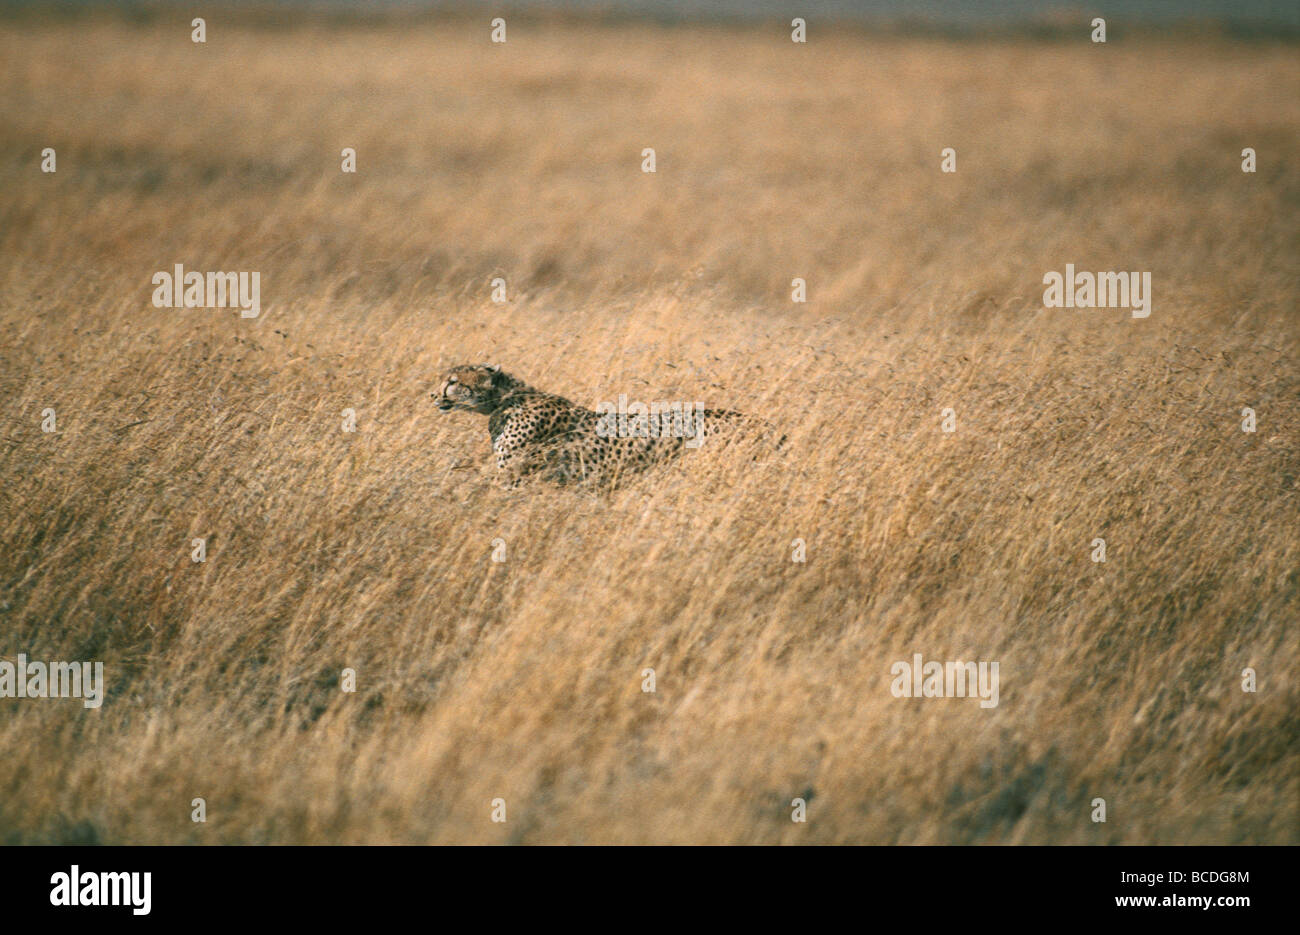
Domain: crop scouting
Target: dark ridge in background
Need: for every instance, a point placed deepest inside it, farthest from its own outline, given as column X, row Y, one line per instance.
column 1255, row 19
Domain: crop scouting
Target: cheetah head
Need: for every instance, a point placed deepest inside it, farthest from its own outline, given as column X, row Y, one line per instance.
column 474, row 388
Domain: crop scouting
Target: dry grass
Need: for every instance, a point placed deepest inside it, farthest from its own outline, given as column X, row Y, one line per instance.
column 522, row 679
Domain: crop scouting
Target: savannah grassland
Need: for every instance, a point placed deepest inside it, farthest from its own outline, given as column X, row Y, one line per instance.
column 522, row 679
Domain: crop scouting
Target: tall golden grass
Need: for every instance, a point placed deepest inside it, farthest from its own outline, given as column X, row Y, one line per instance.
column 522, row 679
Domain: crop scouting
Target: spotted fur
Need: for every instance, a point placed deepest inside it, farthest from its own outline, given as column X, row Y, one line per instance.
column 541, row 434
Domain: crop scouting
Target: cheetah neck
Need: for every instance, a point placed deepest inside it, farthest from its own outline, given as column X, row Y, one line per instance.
column 521, row 396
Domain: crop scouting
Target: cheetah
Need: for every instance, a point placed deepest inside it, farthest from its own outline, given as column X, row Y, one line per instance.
column 544, row 435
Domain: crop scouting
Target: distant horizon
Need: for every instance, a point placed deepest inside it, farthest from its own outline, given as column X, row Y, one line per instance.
column 1259, row 13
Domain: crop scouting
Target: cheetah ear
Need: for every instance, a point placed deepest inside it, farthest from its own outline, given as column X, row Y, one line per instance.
column 495, row 368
